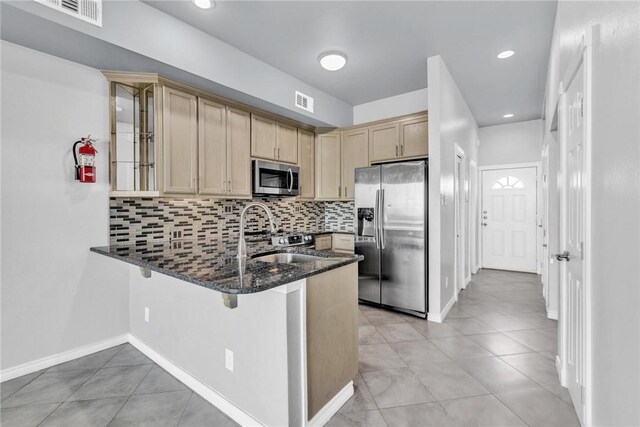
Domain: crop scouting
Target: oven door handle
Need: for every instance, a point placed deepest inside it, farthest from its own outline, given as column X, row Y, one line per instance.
column 290, row 184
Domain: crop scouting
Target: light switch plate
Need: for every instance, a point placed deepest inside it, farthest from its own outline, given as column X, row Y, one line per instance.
column 146, row 314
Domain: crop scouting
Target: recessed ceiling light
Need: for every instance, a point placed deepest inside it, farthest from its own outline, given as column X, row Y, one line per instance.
column 332, row 60
column 204, row 4
column 506, row 54
column 508, row 115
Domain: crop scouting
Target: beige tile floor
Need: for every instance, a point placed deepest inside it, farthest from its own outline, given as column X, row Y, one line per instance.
column 489, row 364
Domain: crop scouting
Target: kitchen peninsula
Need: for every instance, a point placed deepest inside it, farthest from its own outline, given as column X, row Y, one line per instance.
column 271, row 340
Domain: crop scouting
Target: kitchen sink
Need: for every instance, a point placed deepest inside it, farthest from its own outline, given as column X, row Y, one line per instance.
column 288, row 258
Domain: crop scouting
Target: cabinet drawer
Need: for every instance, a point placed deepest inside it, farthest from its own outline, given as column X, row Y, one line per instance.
column 323, row 243
column 343, row 243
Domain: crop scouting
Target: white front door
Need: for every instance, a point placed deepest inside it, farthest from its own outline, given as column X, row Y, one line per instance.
column 508, row 219
column 572, row 237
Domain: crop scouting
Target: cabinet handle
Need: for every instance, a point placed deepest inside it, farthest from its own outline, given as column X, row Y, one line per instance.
column 345, row 191
column 396, row 151
column 274, row 153
column 339, row 191
column 402, row 150
column 278, row 152
column 229, row 187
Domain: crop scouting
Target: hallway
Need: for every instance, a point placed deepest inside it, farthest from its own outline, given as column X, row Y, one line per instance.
column 491, row 363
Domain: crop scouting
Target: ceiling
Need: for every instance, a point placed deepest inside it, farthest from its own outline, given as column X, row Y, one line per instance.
column 388, row 43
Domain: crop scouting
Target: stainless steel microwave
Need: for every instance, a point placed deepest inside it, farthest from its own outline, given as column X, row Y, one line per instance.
column 275, row 179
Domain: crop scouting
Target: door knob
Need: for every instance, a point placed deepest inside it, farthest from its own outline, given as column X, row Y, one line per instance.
column 564, row 256
column 484, row 217
column 484, row 212
column 484, row 223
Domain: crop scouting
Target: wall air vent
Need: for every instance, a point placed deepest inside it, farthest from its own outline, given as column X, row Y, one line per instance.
column 86, row 10
column 304, row 101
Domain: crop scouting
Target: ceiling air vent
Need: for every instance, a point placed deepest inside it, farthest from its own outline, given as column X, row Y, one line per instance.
column 304, row 101
column 87, row 10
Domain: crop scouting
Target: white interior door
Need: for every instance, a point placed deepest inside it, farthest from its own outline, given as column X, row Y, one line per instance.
column 572, row 238
column 509, row 198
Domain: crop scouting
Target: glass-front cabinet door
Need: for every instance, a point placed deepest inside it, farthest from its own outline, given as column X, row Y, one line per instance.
column 133, row 138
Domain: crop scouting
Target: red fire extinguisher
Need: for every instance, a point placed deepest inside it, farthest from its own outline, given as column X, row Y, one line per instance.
column 86, row 167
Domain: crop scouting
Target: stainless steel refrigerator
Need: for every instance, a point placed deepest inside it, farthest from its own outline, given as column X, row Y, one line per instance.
column 391, row 218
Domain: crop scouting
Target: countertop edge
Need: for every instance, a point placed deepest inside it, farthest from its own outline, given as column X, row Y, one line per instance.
column 234, row 291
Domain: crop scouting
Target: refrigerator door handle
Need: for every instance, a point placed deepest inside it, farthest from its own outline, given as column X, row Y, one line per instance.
column 381, row 219
column 376, row 211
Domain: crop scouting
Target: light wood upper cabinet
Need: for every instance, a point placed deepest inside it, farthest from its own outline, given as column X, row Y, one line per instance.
column 212, row 145
column 273, row 141
column 355, row 154
column 287, row 143
column 414, row 138
column 306, row 156
column 263, row 137
column 179, row 142
column 328, row 184
column 384, row 142
column 224, row 150
column 238, row 152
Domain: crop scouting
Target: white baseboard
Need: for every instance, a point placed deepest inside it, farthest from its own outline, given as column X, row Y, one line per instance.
column 552, row 314
column 56, row 359
column 332, row 407
column 211, row 396
column 439, row 317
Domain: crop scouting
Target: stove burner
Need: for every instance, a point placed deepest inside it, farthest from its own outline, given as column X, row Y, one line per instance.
column 293, row 239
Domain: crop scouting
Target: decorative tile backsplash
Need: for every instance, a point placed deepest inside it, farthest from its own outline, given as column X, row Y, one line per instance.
column 138, row 220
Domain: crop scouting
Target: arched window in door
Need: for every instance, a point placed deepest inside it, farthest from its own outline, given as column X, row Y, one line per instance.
column 507, row 183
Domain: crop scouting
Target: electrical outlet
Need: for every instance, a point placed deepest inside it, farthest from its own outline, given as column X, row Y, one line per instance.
column 228, row 359
column 296, row 209
column 146, row 314
column 444, row 199
column 446, row 281
column 176, row 234
column 227, row 209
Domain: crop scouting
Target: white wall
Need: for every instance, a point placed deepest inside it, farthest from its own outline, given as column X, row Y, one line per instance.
column 190, row 326
column 450, row 123
column 615, row 193
column 394, row 106
column 56, row 295
column 519, row 142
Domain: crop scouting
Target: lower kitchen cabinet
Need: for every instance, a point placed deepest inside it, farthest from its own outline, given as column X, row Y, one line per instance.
column 336, row 242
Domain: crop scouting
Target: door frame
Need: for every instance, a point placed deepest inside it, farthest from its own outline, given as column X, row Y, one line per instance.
column 583, row 55
column 481, row 169
column 459, row 280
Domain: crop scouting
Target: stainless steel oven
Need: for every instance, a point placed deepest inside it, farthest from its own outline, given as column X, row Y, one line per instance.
column 275, row 179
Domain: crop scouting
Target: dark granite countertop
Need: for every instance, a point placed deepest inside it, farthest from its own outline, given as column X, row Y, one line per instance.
column 214, row 265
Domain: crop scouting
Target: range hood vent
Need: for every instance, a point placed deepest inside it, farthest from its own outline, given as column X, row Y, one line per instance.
column 86, row 10
column 304, row 101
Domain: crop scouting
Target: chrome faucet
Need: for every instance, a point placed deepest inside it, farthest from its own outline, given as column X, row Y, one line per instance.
column 242, row 245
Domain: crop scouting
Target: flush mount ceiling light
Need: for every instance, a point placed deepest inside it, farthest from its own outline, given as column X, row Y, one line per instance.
column 506, row 54
column 204, row 4
column 508, row 115
column 332, row 60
